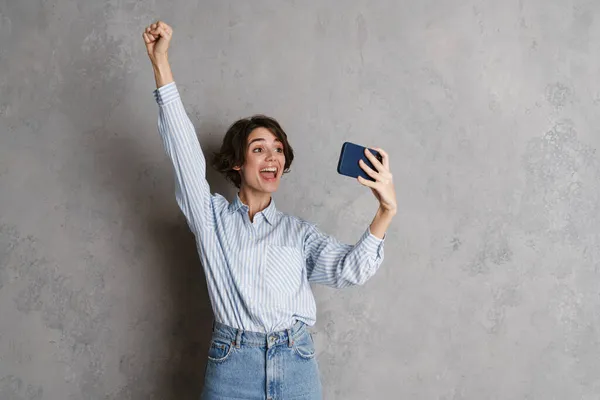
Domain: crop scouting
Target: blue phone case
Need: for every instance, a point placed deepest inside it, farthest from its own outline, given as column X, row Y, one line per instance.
column 350, row 155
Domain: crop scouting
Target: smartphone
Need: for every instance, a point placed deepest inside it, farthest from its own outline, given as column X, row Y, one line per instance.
column 350, row 155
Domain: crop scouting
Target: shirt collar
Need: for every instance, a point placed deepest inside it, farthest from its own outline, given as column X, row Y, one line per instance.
column 270, row 213
column 236, row 204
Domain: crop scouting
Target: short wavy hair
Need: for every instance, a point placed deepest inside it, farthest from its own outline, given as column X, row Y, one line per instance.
column 235, row 144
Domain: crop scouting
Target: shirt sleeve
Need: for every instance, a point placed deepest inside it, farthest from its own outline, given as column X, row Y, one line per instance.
column 181, row 144
column 339, row 265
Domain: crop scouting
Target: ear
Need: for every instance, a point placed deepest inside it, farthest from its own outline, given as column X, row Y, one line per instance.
column 236, row 168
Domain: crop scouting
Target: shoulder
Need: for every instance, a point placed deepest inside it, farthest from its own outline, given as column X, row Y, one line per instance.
column 219, row 202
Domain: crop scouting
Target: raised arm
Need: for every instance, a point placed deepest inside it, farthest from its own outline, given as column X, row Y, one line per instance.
column 178, row 134
column 332, row 263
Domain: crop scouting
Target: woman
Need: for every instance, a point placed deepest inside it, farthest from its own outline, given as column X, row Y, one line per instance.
column 258, row 261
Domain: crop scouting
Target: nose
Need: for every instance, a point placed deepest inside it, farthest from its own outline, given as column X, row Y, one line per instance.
column 270, row 155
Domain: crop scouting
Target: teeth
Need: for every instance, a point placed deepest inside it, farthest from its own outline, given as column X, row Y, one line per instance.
column 270, row 169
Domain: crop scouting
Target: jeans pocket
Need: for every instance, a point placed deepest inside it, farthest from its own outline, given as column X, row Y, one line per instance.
column 219, row 350
column 304, row 346
column 284, row 273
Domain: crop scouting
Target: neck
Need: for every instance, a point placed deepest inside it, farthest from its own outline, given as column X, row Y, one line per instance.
column 256, row 201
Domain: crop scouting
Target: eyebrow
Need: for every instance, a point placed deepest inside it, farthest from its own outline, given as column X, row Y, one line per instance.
column 262, row 140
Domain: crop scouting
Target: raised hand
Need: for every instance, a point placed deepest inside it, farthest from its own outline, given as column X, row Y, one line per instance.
column 157, row 37
column 383, row 187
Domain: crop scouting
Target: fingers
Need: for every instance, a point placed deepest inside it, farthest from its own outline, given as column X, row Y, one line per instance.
column 158, row 29
column 383, row 167
column 384, row 156
column 159, row 25
column 367, row 183
column 166, row 27
column 382, row 174
column 372, row 173
column 148, row 36
column 161, row 32
column 379, row 166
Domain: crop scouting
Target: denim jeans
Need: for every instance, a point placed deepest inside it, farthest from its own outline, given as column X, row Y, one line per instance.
column 252, row 365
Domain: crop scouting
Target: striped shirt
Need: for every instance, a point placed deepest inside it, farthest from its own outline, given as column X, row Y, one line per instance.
column 258, row 272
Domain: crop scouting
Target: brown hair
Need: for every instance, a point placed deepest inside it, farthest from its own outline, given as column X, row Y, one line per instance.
column 235, row 143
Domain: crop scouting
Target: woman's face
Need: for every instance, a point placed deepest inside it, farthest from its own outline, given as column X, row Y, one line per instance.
column 265, row 161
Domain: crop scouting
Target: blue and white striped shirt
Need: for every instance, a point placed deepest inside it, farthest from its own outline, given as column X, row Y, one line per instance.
column 258, row 273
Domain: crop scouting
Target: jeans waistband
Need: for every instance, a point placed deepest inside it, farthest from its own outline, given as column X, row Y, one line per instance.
column 241, row 337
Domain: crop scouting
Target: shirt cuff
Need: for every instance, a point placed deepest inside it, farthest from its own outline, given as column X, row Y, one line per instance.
column 166, row 94
column 372, row 243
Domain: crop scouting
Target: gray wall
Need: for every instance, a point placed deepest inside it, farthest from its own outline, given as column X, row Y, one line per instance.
column 489, row 110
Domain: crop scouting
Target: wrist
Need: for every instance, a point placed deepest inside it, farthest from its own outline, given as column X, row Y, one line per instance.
column 160, row 61
column 162, row 70
column 387, row 212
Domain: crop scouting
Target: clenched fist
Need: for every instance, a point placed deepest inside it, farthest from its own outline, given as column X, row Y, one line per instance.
column 157, row 37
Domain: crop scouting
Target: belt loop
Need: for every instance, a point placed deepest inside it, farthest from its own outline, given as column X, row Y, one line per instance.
column 290, row 338
column 238, row 339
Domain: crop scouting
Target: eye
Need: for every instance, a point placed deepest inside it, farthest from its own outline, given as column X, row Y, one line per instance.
column 279, row 149
column 257, row 150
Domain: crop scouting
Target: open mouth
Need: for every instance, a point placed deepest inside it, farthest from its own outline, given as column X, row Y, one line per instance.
column 269, row 173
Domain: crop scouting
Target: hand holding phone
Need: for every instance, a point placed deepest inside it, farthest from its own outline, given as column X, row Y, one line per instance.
column 350, row 156
column 372, row 168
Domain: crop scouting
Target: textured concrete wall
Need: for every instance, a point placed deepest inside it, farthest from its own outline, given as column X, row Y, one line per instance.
column 489, row 109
